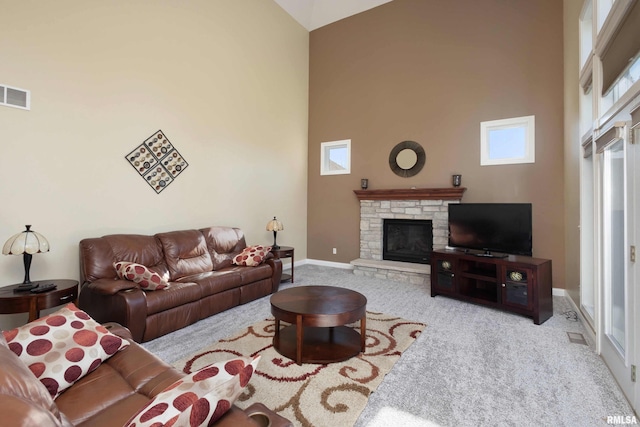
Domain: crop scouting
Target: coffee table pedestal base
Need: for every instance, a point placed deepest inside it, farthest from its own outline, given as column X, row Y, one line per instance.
column 319, row 345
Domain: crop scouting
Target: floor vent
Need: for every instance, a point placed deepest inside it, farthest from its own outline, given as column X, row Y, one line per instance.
column 577, row 338
column 14, row 97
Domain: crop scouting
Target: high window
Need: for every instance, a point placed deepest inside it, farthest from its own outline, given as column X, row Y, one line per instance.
column 335, row 157
column 507, row 141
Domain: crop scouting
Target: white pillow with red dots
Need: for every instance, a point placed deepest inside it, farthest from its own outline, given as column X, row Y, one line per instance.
column 199, row 399
column 252, row 256
column 148, row 279
column 63, row 347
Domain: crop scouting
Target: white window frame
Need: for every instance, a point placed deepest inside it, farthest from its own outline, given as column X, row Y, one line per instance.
column 325, row 156
column 526, row 122
column 586, row 32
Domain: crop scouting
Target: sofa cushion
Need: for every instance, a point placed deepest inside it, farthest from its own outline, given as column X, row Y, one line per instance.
column 223, row 244
column 148, row 279
column 63, row 347
column 177, row 295
column 252, row 256
column 185, row 253
column 97, row 255
column 114, row 392
column 254, row 274
column 200, row 398
column 214, row 282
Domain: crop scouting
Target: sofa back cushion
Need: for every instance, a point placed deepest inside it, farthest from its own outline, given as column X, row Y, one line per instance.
column 223, row 244
column 97, row 255
column 185, row 253
column 23, row 399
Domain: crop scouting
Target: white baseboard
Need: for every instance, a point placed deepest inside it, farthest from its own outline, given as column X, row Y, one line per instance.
column 342, row 265
column 559, row 292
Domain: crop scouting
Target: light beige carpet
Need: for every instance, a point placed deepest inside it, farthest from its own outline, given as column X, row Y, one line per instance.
column 312, row 394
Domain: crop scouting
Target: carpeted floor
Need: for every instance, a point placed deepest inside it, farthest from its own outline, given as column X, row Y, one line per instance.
column 472, row 366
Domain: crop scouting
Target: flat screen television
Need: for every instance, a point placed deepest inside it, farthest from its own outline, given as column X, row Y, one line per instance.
column 494, row 228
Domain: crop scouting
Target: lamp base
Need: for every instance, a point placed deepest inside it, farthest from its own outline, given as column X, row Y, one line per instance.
column 27, row 266
column 275, row 245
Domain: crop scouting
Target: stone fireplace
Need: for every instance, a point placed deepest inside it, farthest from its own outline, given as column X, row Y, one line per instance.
column 413, row 204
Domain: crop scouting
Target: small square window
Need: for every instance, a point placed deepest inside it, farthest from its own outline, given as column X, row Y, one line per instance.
column 335, row 157
column 507, row 141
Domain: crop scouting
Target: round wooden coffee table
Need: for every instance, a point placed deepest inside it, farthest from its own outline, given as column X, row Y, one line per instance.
column 317, row 317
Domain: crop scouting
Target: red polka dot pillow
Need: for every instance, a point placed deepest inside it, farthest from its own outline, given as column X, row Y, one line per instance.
column 199, row 399
column 63, row 347
column 252, row 255
column 147, row 279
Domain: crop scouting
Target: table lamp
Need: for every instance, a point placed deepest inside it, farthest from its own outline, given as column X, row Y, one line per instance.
column 275, row 226
column 28, row 243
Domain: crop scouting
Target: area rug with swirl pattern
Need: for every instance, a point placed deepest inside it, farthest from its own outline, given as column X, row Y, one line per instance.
column 313, row 394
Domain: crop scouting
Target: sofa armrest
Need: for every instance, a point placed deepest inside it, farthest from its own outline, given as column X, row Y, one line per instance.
column 110, row 286
column 266, row 417
column 127, row 307
column 119, row 330
column 276, row 265
column 17, row 411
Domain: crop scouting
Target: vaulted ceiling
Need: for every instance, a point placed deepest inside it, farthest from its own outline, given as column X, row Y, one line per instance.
column 312, row 14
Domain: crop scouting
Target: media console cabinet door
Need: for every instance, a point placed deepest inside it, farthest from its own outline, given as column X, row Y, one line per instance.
column 517, row 287
column 443, row 275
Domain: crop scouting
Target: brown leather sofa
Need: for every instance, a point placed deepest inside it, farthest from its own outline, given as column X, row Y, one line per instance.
column 107, row 397
column 198, row 265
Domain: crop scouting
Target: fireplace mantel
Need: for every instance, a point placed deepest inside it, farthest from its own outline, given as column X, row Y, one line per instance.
column 453, row 193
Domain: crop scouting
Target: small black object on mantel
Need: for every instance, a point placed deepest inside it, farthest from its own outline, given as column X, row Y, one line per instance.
column 364, row 183
column 456, row 180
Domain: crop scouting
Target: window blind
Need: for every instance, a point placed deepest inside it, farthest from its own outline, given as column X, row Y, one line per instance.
column 622, row 48
column 587, row 147
column 635, row 117
column 609, row 137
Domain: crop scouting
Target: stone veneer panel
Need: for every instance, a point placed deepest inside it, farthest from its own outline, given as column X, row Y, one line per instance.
column 372, row 214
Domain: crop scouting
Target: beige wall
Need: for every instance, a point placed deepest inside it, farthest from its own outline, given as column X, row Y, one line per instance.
column 572, row 151
column 226, row 80
column 431, row 72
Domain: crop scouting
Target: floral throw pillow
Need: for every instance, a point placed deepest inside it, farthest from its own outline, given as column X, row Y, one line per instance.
column 252, row 255
column 147, row 279
column 63, row 347
column 199, row 399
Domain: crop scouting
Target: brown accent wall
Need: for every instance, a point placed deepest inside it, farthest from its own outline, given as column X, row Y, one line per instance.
column 431, row 71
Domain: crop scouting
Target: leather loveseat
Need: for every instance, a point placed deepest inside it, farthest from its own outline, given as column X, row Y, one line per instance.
column 106, row 397
column 197, row 264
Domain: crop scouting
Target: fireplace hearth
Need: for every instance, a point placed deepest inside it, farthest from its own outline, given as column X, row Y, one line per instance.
column 407, row 240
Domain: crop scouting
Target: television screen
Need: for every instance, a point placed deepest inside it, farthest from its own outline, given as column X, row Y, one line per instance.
column 491, row 227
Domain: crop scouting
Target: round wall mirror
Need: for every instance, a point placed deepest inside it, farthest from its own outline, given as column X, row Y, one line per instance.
column 407, row 159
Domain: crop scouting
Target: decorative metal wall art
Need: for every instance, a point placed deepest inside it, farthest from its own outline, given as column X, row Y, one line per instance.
column 157, row 161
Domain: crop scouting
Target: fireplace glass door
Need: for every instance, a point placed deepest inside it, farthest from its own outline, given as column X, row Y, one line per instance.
column 408, row 240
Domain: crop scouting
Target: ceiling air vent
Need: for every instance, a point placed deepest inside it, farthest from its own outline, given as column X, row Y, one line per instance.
column 14, row 97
